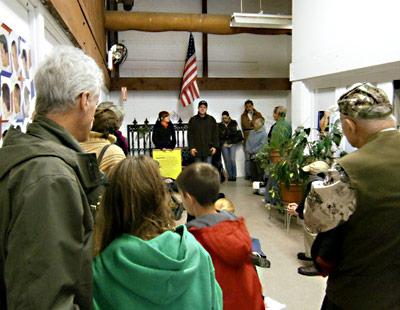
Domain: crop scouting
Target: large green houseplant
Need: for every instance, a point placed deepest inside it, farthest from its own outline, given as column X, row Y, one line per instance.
column 273, row 150
column 295, row 154
column 324, row 148
column 287, row 172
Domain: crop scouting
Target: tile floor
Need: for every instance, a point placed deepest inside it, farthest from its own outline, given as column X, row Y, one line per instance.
column 281, row 282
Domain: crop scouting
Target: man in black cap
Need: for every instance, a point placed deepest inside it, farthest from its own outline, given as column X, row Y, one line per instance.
column 202, row 134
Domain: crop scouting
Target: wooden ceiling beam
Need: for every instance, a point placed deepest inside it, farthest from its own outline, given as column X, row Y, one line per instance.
column 151, row 84
column 75, row 17
column 158, row 22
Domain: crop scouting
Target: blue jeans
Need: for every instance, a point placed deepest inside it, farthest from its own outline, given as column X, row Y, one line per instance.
column 203, row 159
column 229, row 155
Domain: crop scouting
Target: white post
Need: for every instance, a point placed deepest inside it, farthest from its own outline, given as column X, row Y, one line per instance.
column 302, row 105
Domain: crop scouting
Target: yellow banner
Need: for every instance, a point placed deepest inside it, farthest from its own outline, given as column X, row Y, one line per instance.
column 170, row 162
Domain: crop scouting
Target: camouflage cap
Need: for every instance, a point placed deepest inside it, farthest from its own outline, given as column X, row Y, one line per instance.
column 365, row 101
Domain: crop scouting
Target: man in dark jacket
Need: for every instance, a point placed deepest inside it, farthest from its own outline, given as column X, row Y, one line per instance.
column 47, row 188
column 202, row 134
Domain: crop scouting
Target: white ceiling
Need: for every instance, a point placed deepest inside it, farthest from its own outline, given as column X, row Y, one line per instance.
column 243, row 55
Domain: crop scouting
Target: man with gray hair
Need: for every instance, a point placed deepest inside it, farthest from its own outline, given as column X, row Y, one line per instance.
column 255, row 141
column 47, row 187
column 357, row 213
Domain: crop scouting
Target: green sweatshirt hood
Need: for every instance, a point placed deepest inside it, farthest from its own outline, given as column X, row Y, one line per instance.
column 156, row 271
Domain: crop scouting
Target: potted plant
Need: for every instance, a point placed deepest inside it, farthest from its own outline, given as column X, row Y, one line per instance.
column 272, row 151
column 323, row 149
column 288, row 171
column 299, row 152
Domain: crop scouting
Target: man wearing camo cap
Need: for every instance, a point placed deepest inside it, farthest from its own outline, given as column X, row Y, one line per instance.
column 361, row 254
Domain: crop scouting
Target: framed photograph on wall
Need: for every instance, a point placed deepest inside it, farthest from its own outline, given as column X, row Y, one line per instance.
column 323, row 121
column 17, row 90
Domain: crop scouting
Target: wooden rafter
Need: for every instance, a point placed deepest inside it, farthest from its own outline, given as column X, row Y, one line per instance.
column 149, row 84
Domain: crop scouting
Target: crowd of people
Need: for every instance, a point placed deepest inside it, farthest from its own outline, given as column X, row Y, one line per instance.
column 93, row 229
column 209, row 140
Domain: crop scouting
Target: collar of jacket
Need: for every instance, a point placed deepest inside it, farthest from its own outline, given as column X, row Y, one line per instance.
column 95, row 137
column 245, row 113
column 204, row 117
column 51, row 140
column 46, row 129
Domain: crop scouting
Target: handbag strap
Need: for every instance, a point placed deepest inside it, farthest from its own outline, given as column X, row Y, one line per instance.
column 103, row 151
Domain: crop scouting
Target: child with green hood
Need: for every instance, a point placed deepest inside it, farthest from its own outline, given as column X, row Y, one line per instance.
column 144, row 261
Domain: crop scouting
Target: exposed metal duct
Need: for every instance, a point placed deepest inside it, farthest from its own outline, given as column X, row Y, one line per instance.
column 157, row 22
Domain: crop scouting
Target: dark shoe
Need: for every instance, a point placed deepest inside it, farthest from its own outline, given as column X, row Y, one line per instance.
column 308, row 271
column 302, row 256
column 232, row 179
column 259, row 260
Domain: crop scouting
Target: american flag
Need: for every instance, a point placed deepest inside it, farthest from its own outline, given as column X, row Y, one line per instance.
column 190, row 90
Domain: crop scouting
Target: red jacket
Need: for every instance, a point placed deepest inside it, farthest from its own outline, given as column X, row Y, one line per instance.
column 229, row 245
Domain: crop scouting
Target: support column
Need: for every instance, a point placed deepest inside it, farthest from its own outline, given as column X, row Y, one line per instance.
column 302, row 105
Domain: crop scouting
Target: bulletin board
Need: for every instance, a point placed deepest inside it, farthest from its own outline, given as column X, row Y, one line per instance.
column 17, row 91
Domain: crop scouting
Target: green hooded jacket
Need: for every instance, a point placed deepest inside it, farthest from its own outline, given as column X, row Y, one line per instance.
column 171, row 271
column 45, row 219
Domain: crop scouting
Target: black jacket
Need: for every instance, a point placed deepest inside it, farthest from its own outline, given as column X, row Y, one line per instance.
column 202, row 134
column 227, row 133
column 164, row 138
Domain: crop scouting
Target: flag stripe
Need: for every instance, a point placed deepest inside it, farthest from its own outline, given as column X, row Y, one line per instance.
column 189, row 90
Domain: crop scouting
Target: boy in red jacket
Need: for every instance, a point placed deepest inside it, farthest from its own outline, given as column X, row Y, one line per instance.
column 223, row 235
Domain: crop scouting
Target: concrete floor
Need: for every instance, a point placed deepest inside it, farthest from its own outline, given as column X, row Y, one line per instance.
column 281, row 282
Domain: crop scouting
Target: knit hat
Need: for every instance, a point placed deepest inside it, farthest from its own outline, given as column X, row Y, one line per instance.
column 203, row 102
column 365, row 101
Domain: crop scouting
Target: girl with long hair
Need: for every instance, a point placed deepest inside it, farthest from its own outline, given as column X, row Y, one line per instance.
column 144, row 262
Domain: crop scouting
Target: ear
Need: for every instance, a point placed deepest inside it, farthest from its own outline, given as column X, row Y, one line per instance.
column 351, row 125
column 83, row 101
column 186, row 195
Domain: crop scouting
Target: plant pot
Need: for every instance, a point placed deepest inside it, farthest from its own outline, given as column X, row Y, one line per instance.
column 275, row 156
column 295, row 192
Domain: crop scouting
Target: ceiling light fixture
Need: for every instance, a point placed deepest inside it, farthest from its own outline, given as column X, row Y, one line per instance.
column 260, row 20
column 250, row 20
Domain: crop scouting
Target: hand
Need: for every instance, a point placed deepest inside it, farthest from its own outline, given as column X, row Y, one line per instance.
column 164, row 149
column 193, row 152
column 213, row 150
column 291, row 208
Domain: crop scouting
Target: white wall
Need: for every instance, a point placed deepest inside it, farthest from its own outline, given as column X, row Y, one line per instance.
column 242, row 55
column 142, row 105
column 336, row 44
column 343, row 35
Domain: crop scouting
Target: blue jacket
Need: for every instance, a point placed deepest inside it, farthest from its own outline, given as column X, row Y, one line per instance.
column 256, row 139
